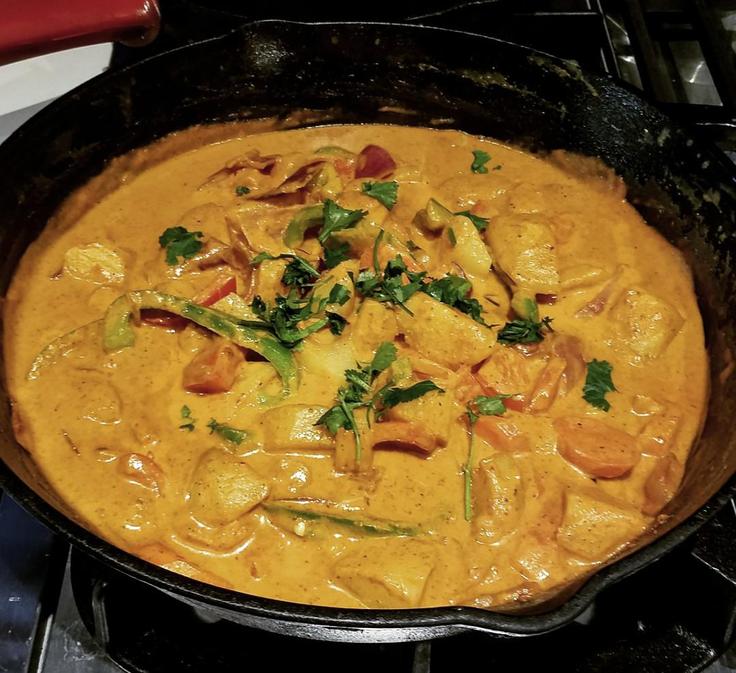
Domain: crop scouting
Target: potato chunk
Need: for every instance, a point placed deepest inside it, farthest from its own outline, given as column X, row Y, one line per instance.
column 469, row 250
column 524, row 247
column 374, row 324
column 432, row 412
column 223, row 488
column 499, row 497
column 387, row 573
column 292, row 428
column 644, row 323
column 593, row 529
column 443, row 334
column 662, row 483
column 94, row 263
column 510, row 372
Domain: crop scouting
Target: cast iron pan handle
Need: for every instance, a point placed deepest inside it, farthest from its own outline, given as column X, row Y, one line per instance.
column 32, row 27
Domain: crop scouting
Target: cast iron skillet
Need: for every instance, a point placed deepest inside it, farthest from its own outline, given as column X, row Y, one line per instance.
column 406, row 75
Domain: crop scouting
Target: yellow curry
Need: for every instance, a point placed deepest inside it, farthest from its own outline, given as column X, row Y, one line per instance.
column 361, row 366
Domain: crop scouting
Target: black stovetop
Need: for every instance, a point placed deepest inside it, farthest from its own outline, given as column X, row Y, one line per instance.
column 677, row 615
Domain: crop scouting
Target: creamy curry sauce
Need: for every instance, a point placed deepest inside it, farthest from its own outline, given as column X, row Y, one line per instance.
column 485, row 476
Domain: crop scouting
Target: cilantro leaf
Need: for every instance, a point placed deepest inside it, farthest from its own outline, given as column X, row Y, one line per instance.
column 490, row 405
column 334, row 254
column 383, row 358
column 242, row 190
column 299, row 273
column 480, row 159
column 480, row 223
column 453, row 290
column 335, row 322
column 390, row 397
column 226, row 432
column 598, row 382
column 286, row 315
column 388, row 285
column 180, row 243
column 334, row 419
column 339, row 294
column 186, row 416
column 384, row 192
column 524, row 331
column 337, row 218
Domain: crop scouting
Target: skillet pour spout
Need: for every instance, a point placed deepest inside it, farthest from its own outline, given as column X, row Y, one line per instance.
column 350, row 73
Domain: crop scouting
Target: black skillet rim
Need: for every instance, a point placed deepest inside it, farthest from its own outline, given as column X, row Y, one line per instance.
column 342, row 618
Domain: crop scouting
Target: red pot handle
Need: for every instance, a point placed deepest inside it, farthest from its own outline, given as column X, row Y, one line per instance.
column 32, row 27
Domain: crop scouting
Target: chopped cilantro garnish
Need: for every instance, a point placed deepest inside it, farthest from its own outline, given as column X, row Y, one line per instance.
column 226, row 432
column 480, row 159
column 339, row 294
column 242, row 190
column 299, row 273
column 480, row 223
column 525, row 330
column 482, row 405
column 334, row 254
column 451, row 236
column 454, row 290
column 598, row 382
column 337, row 218
column 390, row 397
column 388, row 285
column 186, row 416
column 383, row 192
column 180, row 243
column 335, row 322
column 287, row 313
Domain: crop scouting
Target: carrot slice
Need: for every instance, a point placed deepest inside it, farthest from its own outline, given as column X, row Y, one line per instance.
column 595, row 447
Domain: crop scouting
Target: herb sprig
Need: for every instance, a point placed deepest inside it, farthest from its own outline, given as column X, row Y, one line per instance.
column 482, row 405
column 385, row 193
column 454, row 291
column 525, row 330
column 179, row 242
column 388, row 286
column 598, row 382
column 480, row 159
column 228, row 433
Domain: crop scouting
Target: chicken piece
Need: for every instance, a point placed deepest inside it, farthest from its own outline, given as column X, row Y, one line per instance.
column 374, row 324
column 644, row 323
column 443, row 334
column 386, row 572
column 223, row 488
column 545, row 506
column 524, row 247
column 94, row 263
column 291, row 427
column 214, row 369
column 662, row 483
column 596, row 448
column 593, row 529
column 510, row 372
column 498, row 497
column 433, row 413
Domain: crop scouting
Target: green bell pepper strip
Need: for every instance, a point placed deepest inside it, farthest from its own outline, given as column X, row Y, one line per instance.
column 373, row 527
column 118, row 328
column 308, row 217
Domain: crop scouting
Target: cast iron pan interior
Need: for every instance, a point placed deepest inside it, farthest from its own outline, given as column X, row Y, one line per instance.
column 370, row 73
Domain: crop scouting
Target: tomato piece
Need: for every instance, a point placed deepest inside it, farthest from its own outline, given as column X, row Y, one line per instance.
column 213, row 370
column 595, row 447
column 374, row 162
